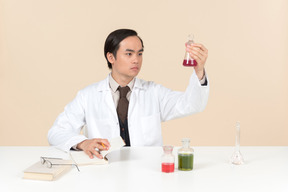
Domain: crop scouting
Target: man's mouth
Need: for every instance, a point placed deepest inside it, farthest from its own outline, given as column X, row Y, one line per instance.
column 135, row 68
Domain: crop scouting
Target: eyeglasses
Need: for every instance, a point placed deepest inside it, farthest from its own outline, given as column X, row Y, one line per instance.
column 48, row 162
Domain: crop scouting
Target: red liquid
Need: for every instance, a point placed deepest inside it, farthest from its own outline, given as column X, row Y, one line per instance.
column 167, row 167
column 189, row 63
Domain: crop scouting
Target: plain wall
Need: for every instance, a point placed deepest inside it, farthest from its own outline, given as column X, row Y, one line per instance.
column 50, row 49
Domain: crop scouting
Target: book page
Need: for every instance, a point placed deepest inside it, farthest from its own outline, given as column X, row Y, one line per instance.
column 115, row 144
column 54, row 152
column 81, row 158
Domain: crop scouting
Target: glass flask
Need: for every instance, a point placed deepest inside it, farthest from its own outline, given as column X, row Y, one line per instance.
column 188, row 61
column 167, row 160
column 185, row 156
column 237, row 158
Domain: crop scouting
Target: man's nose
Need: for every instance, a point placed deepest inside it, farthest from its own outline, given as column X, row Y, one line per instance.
column 136, row 59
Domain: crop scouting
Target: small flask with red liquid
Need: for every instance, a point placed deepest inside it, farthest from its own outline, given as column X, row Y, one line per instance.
column 188, row 61
column 167, row 160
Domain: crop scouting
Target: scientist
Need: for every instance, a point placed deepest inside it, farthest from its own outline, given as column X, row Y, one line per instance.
column 123, row 105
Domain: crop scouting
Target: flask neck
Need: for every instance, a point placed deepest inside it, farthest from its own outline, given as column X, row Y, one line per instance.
column 167, row 152
column 168, row 149
column 237, row 144
column 190, row 42
column 185, row 144
column 190, row 39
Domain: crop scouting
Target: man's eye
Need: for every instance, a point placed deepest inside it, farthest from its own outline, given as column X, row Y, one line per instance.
column 140, row 54
column 129, row 54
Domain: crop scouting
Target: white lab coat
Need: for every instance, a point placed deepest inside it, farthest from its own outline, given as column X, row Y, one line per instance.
column 149, row 105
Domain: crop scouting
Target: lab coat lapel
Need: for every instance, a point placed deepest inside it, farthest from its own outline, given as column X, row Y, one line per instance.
column 105, row 89
column 132, row 110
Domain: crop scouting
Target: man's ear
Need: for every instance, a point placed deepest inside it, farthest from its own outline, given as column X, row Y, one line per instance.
column 110, row 57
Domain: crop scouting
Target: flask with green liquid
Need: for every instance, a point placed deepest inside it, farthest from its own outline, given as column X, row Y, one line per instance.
column 185, row 156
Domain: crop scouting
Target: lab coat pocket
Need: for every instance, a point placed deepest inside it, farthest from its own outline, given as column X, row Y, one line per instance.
column 151, row 127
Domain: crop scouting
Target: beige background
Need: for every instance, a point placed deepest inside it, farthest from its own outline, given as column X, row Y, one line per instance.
column 50, row 49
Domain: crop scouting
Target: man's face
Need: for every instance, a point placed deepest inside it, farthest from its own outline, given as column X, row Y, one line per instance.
column 128, row 61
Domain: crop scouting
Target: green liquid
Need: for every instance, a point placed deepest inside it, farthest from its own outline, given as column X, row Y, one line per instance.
column 185, row 162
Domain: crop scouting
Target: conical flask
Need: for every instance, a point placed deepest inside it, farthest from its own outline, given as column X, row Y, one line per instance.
column 188, row 61
column 237, row 158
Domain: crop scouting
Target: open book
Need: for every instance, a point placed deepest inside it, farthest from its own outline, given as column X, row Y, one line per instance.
column 81, row 158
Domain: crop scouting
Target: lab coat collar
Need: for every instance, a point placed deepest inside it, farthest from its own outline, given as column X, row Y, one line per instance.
column 103, row 85
column 139, row 83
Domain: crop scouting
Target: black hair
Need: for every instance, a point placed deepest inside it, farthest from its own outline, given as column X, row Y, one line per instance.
column 113, row 40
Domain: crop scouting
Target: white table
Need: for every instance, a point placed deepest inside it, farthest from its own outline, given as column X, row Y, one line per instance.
column 139, row 169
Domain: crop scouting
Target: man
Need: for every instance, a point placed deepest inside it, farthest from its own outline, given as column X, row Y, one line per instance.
column 102, row 109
